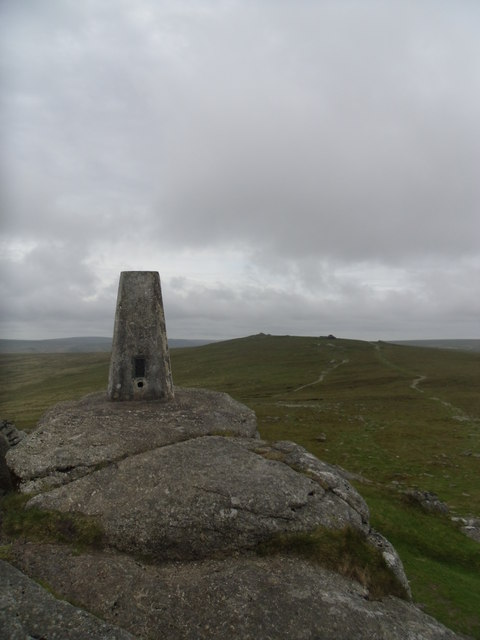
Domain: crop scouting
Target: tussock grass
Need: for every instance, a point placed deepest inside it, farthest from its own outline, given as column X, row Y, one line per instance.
column 346, row 551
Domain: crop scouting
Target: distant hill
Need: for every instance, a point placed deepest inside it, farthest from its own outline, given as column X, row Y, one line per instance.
column 96, row 344
column 79, row 345
column 459, row 345
column 180, row 343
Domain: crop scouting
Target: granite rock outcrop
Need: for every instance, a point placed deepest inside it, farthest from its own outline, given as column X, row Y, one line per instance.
column 185, row 492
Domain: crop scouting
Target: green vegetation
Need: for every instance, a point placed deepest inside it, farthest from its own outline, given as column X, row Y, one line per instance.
column 398, row 416
column 30, row 384
column 442, row 564
column 347, row 552
column 46, row 526
column 364, row 414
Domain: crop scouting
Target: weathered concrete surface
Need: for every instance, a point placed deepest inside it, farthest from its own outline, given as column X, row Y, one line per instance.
column 140, row 364
column 196, row 498
column 238, row 597
column 74, row 438
column 28, row 611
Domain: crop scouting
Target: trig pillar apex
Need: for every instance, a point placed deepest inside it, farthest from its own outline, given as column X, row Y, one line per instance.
column 140, row 363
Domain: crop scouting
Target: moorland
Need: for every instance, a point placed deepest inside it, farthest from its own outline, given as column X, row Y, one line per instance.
column 397, row 417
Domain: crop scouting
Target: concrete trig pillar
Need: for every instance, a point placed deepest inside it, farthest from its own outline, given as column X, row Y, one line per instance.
column 140, row 363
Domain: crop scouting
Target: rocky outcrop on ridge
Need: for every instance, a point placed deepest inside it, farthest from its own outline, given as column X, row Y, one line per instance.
column 426, row 500
column 470, row 526
column 189, row 487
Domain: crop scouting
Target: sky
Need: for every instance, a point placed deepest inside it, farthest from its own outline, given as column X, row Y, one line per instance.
column 288, row 166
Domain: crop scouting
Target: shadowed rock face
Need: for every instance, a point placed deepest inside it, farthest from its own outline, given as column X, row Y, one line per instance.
column 162, row 482
column 5, row 479
column 9, row 437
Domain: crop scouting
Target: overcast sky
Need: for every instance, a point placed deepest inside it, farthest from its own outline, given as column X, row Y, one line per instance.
column 288, row 166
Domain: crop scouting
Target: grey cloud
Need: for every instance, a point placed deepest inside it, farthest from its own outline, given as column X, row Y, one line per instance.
column 51, row 287
column 312, row 138
column 398, row 169
column 394, row 315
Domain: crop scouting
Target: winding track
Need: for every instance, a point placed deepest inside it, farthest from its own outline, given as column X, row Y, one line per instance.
column 416, row 382
column 459, row 413
column 323, row 374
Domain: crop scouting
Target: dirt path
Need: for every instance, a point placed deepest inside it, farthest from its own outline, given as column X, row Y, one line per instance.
column 322, row 376
column 416, row 382
column 459, row 414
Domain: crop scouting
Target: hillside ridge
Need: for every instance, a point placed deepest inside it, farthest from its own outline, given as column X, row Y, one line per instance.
column 80, row 344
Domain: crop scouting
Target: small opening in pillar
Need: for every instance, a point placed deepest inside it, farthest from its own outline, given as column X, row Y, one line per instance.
column 140, row 384
column 139, row 367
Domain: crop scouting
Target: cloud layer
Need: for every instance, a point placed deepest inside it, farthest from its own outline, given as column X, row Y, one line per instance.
column 288, row 167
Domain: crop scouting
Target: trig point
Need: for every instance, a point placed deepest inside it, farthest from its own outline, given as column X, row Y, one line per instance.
column 140, row 364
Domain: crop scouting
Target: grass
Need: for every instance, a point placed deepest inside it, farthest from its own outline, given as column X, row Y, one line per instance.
column 442, row 564
column 350, row 403
column 346, row 551
column 374, row 422
column 30, row 384
column 46, row 526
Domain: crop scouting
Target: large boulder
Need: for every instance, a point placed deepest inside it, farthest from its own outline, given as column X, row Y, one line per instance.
column 209, row 494
column 189, row 486
column 29, row 611
column 245, row 597
column 75, row 438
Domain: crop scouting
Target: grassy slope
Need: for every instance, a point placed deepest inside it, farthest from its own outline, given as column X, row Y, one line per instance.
column 374, row 423
column 30, row 384
column 351, row 403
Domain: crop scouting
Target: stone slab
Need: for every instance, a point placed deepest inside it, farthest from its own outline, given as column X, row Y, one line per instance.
column 28, row 611
column 249, row 597
column 199, row 497
column 75, row 438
